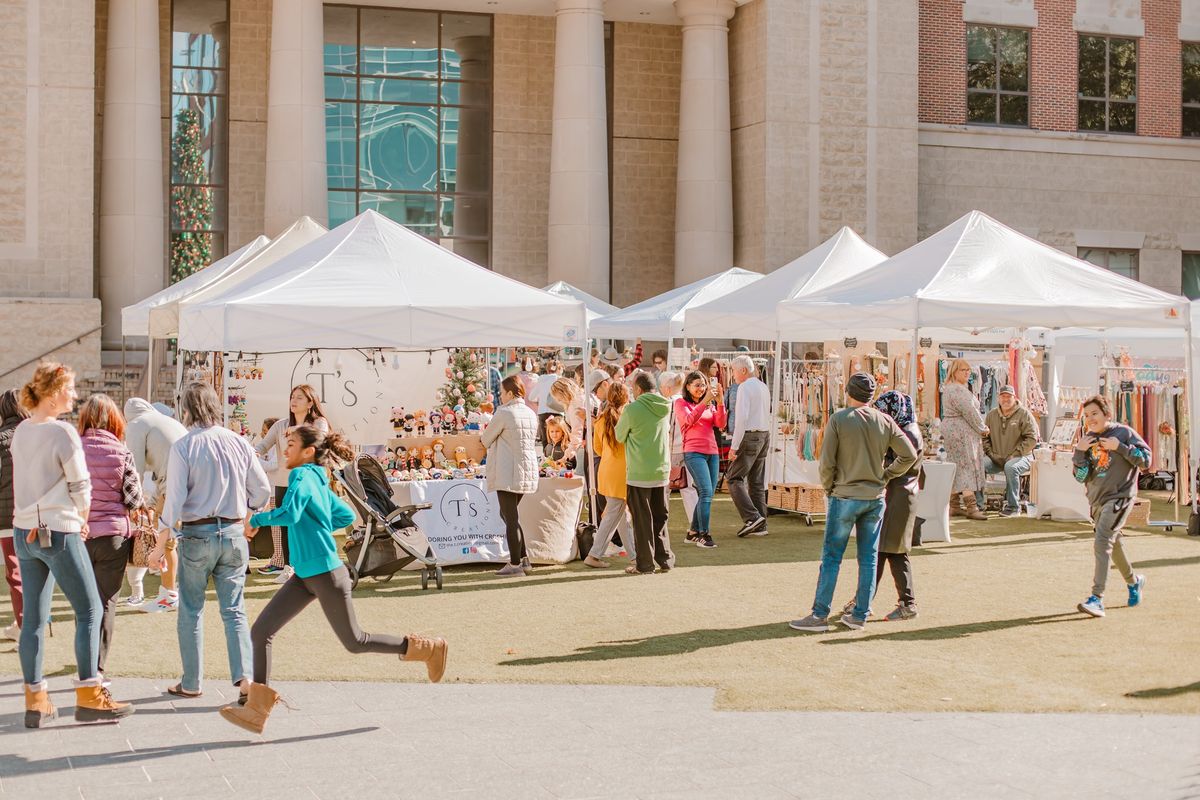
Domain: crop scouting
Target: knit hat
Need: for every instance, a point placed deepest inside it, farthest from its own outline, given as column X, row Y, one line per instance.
column 595, row 378
column 861, row 387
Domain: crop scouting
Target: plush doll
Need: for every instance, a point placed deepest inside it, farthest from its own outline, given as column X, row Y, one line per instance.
column 474, row 422
column 486, row 410
column 439, row 452
column 435, row 422
column 422, row 422
column 460, row 417
column 397, row 419
column 410, row 424
column 447, row 419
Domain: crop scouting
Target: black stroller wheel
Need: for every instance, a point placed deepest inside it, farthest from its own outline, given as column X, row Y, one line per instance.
column 353, row 576
column 437, row 576
column 424, row 579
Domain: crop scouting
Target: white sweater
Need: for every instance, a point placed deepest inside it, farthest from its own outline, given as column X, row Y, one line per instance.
column 50, row 477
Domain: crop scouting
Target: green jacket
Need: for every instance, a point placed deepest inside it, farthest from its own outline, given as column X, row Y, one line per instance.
column 311, row 512
column 645, row 430
column 856, row 442
column 1013, row 436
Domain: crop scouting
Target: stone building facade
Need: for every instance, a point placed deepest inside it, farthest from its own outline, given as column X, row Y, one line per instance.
column 675, row 138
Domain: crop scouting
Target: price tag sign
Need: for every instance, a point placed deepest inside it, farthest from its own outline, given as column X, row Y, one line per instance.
column 926, row 341
column 1126, row 386
column 850, row 343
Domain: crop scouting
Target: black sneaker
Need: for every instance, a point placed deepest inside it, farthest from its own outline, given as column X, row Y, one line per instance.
column 705, row 541
column 692, row 537
column 752, row 526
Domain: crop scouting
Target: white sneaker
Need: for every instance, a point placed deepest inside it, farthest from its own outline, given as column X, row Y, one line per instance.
column 165, row 602
column 12, row 633
column 285, row 574
column 134, row 600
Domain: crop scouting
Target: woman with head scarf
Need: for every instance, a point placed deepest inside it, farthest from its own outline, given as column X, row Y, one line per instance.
column 899, row 516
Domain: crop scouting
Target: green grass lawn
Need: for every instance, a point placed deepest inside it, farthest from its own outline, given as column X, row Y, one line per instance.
column 998, row 628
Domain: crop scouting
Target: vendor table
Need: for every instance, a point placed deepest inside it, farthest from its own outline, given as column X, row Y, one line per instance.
column 1055, row 491
column 464, row 525
column 933, row 501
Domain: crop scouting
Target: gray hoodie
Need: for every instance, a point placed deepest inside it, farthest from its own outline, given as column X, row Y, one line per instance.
column 149, row 434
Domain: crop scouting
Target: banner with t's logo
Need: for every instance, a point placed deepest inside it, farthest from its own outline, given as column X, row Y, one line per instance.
column 464, row 525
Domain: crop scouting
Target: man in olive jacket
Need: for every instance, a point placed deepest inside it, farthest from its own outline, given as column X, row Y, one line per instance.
column 853, row 474
column 1008, row 447
column 645, row 430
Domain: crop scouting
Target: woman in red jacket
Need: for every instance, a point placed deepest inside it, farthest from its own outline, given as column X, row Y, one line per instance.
column 699, row 413
column 116, row 492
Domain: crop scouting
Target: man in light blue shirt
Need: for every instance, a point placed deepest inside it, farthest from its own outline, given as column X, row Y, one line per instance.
column 214, row 480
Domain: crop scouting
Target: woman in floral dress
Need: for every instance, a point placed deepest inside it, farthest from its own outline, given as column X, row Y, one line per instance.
column 962, row 434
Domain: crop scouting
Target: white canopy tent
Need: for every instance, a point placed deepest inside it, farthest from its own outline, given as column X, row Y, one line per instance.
column 370, row 283
column 135, row 319
column 594, row 305
column 661, row 317
column 750, row 312
column 164, row 319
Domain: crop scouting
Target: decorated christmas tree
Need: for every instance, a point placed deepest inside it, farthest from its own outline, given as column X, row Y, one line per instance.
column 466, row 381
column 191, row 202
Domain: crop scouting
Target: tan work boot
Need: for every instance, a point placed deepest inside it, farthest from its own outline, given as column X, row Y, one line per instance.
column 956, row 509
column 38, row 708
column 93, row 703
column 431, row 651
column 971, row 507
column 253, row 715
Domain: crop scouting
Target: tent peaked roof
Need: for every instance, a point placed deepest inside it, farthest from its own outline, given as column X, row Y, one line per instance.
column 595, row 306
column 978, row 273
column 164, row 320
column 371, row 282
column 749, row 312
column 661, row 317
column 135, row 319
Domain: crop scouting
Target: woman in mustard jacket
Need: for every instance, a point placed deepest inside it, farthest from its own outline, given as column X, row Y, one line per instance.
column 610, row 482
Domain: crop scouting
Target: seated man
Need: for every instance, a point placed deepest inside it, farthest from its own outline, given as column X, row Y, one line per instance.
column 1008, row 446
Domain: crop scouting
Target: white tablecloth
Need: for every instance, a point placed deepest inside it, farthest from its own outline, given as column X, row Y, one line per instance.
column 933, row 501
column 1055, row 491
column 464, row 525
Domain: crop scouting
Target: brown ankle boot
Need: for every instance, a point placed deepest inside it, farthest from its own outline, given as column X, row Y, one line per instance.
column 95, row 704
column 431, row 651
column 253, row 715
column 38, row 708
column 956, row 505
column 971, row 508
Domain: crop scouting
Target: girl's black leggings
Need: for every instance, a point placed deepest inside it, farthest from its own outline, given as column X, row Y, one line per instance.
column 332, row 591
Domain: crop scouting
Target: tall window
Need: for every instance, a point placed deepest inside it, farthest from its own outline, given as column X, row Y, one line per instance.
column 1122, row 262
column 1107, row 84
column 997, row 76
column 1191, row 276
column 197, row 202
column 1190, row 58
column 408, row 121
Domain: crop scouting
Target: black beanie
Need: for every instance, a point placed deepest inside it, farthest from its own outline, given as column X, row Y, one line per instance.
column 861, row 387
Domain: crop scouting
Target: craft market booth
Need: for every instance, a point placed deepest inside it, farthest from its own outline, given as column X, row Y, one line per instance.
column 975, row 283
column 361, row 306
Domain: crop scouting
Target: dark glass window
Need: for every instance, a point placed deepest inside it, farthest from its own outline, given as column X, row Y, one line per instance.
column 1107, row 84
column 1191, row 276
column 408, row 121
column 197, row 206
column 1122, row 262
column 997, row 76
column 1190, row 63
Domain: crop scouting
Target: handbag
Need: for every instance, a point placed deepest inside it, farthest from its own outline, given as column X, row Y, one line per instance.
column 145, row 536
column 679, row 478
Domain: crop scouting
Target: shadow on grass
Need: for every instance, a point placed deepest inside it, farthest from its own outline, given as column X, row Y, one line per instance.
column 957, row 631
column 671, row 644
column 16, row 766
column 1164, row 691
column 1169, row 562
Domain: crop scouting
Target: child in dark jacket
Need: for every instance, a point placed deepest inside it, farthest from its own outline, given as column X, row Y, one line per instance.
column 311, row 512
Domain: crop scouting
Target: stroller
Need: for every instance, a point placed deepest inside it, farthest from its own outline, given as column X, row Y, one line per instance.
column 389, row 539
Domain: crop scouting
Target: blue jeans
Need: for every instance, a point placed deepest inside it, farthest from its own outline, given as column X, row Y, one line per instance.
column 1013, row 469
column 65, row 562
column 703, row 469
column 865, row 518
column 220, row 551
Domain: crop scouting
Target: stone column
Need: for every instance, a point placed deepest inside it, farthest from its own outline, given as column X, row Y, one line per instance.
column 296, row 180
column 704, row 182
column 579, row 223
column 132, row 255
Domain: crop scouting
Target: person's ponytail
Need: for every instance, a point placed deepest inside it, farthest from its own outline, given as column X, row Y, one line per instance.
column 332, row 449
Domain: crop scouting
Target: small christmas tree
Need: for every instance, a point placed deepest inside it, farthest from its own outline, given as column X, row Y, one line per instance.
column 191, row 202
column 466, row 381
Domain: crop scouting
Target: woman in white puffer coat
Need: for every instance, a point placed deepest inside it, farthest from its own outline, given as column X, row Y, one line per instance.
column 512, row 466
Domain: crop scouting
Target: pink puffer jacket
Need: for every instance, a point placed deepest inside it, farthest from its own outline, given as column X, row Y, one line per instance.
column 110, row 465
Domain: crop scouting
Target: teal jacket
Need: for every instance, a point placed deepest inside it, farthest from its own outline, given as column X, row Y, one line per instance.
column 645, row 430
column 311, row 512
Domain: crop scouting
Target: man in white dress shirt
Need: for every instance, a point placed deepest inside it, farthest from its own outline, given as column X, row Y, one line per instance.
column 748, row 452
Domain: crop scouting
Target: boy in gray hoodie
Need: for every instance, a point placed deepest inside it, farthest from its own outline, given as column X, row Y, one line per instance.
column 1108, row 458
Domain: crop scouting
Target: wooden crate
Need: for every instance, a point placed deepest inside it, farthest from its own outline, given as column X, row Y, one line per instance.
column 1140, row 515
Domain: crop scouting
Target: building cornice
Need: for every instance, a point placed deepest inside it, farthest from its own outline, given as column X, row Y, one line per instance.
column 1061, row 142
